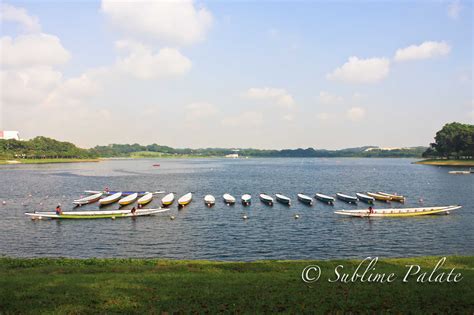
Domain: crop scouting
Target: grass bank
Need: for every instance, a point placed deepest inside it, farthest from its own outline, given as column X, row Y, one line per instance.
column 46, row 161
column 148, row 285
column 465, row 163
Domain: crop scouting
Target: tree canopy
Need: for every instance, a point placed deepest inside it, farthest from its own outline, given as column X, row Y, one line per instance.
column 454, row 140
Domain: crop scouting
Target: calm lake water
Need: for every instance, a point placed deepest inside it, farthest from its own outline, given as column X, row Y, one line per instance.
column 220, row 233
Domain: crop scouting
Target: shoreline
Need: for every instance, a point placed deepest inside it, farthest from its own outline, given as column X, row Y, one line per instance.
column 439, row 162
column 45, row 161
column 196, row 286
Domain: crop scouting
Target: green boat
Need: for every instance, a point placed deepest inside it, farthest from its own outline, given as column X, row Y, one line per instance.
column 111, row 214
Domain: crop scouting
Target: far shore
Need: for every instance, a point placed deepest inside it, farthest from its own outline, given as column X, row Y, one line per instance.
column 46, row 161
column 439, row 162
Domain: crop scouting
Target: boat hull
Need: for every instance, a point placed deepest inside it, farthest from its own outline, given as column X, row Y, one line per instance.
column 346, row 198
column 185, row 200
column 379, row 197
column 246, row 199
column 167, row 200
column 266, row 199
column 283, row 199
column 87, row 200
column 128, row 199
column 305, row 199
column 228, row 199
column 110, row 199
column 365, row 198
column 145, row 199
column 326, row 199
column 94, row 214
column 406, row 212
column 392, row 196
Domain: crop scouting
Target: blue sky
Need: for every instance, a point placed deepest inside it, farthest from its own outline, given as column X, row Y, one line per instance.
column 237, row 74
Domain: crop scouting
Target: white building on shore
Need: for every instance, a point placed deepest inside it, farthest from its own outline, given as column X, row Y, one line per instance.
column 9, row 134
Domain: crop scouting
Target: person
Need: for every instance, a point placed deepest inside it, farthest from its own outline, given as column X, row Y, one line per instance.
column 59, row 211
column 106, row 189
column 371, row 210
column 134, row 210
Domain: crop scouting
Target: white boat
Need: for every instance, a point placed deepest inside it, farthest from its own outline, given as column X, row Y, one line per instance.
column 283, row 199
column 146, row 198
column 324, row 198
column 460, row 172
column 111, row 214
column 167, row 200
column 185, row 200
column 128, row 199
column 88, row 199
column 229, row 199
column 209, row 200
column 110, row 199
column 365, row 198
column 266, row 199
column 346, row 198
column 305, row 199
column 246, row 199
column 400, row 212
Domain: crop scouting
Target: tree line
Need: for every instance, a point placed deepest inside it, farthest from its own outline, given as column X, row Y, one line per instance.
column 453, row 141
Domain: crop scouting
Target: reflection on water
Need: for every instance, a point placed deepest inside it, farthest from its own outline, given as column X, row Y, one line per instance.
column 220, row 232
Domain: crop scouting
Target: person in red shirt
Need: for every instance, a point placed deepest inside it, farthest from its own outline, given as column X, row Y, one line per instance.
column 59, row 211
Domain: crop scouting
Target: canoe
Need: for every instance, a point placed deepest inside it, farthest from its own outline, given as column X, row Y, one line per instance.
column 266, row 199
column 460, row 172
column 128, row 199
column 346, row 198
column 229, row 199
column 393, row 197
column 365, row 198
column 403, row 212
column 324, row 198
column 379, row 197
column 167, row 200
column 209, row 200
column 246, row 199
column 185, row 200
column 146, row 198
column 305, row 199
column 113, row 192
column 112, row 214
column 110, row 199
column 88, row 199
column 283, row 199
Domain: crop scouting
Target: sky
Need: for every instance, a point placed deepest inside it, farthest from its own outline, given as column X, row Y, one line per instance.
column 272, row 74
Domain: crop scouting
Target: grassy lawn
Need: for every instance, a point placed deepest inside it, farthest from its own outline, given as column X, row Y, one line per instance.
column 147, row 285
column 46, row 161
column 436, row 162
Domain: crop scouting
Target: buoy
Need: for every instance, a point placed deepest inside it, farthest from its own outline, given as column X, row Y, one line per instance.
column 41, row 203
column 297, row 216
column 172, row 217
column 113, row 218
column 4, row 202
column 245, row 217
column 30, row 195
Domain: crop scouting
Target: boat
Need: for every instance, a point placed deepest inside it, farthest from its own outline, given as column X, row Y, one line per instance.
column 146, row 198
column 283, row 199
column 365, row 198
column 305, row 199
column 266, row 199
column 393, row 197
column 167, row 200
column 324, row 198
column 229, row 199
column 87, row 200
column 246, row 199
column 111, row 214
column 128, row 199
column 379, row 197
column 113, row 192
column 346, row 198
column 110, row 199
column 209, row 200
column 156, row 165
column 185, row 200
column 402, row 212
column 460, row 172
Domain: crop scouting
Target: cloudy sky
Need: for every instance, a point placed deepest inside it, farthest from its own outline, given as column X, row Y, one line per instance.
column 236, row 74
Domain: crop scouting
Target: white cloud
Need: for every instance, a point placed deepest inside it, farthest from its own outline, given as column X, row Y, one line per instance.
column 32, row 50
column 144, row 64
column 323, row 116
column 329, row 99
column 454, row 9
column 357, row 70
column 200, row 111
column 248, row 118
column 177, row 22
column 423, row 51
column 11, row 13
column 279, row 96
column 356, row 113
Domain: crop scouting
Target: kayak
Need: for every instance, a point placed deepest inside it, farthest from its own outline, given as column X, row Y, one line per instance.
column 112, row 214
column 110, row 199
column 283, row 199
column 128, row 199
column 393, row 197
column 403, row 212
column 209, row 200
column 365, row 198
column 379, row 197
column 167, row 200
column 305, row 199
column 246, row 199
column 346, row 198
column 229, row 199
column 266, row 199
column 185, row 200
column 146, row 198
column 324, row 198
column 87, row 200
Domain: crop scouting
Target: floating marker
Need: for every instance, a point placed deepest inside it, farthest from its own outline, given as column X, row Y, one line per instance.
column 4, row 202
column 172, row 217
column 297, row 216
column 245, row 217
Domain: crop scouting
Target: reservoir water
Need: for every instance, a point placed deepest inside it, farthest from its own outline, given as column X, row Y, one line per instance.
column 220, row 233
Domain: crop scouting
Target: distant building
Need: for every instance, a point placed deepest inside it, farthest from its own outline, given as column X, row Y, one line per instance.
column 6, row 135
column 232, row 156
column 385, row 149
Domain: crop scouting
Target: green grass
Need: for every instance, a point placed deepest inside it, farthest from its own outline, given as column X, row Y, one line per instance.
column 156, row 286
column 46, row 161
